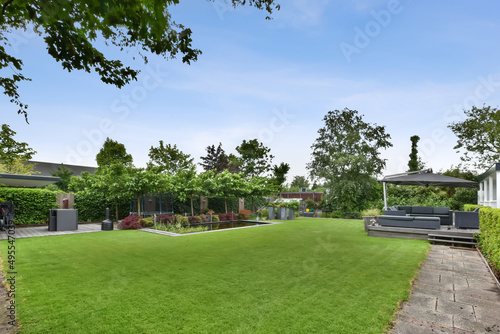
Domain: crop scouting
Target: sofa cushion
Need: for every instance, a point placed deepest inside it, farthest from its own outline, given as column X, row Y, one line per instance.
column 391, row 217
column 395, row 212
column 404, row 207
column 422, row 210
column 441, row 211
column 427, row 218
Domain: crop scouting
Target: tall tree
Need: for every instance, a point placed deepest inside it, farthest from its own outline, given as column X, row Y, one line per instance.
column 70, row 30
column 64, row 174
column 168, row 159
column 479, row 136
column 216, row 159
column 254, row 158
column 300, row 182
column 113, row 152
column 228, row 185
column 11, row 150
column 279, row 173
column 415, row 163
column 346, row 155
column 187, row 184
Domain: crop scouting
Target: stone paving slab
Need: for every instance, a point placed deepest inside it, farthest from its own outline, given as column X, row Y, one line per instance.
column 43, row 231
column 454, row 293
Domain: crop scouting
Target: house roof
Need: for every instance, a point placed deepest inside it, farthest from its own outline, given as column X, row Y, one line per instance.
column 46, row 168
column 27, row 181
column 491, row 170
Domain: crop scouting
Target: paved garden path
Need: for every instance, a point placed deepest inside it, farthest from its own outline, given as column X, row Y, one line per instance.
column 454, row 293
column 43, row 231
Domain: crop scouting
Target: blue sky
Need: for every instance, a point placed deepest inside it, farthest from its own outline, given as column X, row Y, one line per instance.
column 412, row 66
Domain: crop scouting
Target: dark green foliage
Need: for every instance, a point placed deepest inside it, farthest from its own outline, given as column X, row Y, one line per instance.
column 217, row 160
column 479, row 136
column 31, row 205
column 254, row 159
column 113, row 152
column 415, row 162
column 489, row 239
column 10, row 149
column 279, row 173
column 346, row 155
column 92, row 206
column 64, row 175
column 300, row 182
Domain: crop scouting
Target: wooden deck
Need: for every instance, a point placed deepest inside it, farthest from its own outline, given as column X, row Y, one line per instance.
column 446, row 234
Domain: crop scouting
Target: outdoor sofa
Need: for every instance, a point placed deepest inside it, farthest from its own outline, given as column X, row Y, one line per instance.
column 443, row 213
column 409, row 221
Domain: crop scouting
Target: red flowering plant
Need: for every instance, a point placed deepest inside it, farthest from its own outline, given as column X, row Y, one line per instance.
column 165, row 219
column 131, row 223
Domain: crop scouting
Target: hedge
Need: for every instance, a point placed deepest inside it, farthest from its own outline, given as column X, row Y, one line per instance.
column 472, row 207
column 31, row 206
column 92, row 207
column 489, row 239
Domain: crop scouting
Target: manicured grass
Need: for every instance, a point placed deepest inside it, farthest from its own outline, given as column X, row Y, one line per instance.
column 305, row 276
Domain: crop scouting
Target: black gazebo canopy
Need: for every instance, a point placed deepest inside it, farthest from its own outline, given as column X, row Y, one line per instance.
column 425, row 178
column 429, row 179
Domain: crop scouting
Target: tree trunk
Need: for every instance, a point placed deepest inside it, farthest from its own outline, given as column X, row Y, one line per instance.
column 139, row 205
column 116, row 208
column 192, row 208
column 225, row 203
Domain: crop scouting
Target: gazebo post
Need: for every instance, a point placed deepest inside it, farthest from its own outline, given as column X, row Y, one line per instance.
column 385, row 196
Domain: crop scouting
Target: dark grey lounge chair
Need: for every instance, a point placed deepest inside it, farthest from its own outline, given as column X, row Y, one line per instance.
column 466, row 219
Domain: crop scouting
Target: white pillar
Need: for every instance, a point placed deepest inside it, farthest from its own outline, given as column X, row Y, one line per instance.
column 490, row 189
column 385, row 196
column 480, row 193
column 498, row 190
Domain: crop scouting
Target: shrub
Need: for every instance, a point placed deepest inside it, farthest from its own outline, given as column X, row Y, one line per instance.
column 165, row 219
column 181, row 220
column 371, row 212
column 146, row 222
column 472, row 207
column 489, row 239
column 244, row 214
column 293, row 205
column 227, row 216
column 215, row 218
column 194, row 219
column 31, row 206
column 131, row 223
column 310, row 204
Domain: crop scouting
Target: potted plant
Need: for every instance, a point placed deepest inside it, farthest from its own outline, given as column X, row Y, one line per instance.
column 370, row 216
column 292, row 207
column 272, row 214
column 282, row 211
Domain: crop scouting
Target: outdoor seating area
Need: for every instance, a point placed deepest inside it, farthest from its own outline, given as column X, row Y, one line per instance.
column 427, row 217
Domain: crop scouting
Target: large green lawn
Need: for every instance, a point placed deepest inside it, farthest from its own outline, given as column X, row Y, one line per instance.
column 305, row 276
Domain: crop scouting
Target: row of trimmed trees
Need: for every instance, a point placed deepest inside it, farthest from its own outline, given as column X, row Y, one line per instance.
column 119, row 181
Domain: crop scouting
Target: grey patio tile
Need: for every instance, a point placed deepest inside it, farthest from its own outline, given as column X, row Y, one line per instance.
column 469, row 326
